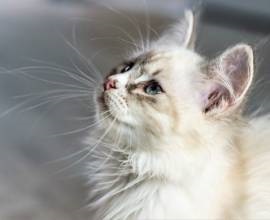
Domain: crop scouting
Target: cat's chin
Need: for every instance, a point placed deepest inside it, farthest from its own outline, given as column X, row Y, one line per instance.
column 109, row 118
column 110, row 114
column 115, row 121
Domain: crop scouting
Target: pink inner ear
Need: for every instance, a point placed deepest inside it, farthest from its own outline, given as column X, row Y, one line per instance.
column 230, row 76
column 236, row 66
column 214, row 97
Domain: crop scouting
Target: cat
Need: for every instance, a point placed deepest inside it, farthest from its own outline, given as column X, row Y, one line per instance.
column 172, row 141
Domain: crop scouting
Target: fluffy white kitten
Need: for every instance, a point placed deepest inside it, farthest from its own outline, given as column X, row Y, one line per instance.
column 172, row 142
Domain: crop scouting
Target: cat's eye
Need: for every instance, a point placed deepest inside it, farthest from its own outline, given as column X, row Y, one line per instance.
column 127, row 67
column 153, row 88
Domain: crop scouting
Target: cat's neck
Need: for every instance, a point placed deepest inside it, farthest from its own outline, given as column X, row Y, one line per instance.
column 182, row 165
column 208, row 171
column 174, row 158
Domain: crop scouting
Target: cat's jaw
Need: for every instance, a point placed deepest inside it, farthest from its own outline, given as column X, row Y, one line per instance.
column 178, row 162
column 198, row 177
column 178, row 158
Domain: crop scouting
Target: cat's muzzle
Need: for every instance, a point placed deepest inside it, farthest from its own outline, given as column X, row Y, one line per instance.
column 116, row 103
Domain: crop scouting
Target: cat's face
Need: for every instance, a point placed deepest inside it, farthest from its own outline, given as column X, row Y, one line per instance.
column 150, row 92
column 170, row 88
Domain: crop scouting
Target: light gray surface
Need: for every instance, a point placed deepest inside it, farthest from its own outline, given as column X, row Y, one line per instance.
column 36, row 30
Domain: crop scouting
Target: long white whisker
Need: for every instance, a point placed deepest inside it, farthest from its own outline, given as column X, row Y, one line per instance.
column 83, row 118
column 53, row 65
column 74, row 76
column 110, row 156
column 115, row 38
column 29, row 75
column 82, row 73
column 55, row 91
column 52, row 98
column 87, row 61
column 102, row 50
column 131, row 38
column 18, row 106
column 91, row 150
column 79, row 129
column 73, row 154
column 129, row 19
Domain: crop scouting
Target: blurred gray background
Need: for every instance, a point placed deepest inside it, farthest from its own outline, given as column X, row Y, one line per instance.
column 37, row 127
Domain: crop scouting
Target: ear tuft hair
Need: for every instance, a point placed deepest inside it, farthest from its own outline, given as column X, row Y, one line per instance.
column 181, row 34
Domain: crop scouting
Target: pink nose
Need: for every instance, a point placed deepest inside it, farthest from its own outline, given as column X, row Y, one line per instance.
column 110, row 84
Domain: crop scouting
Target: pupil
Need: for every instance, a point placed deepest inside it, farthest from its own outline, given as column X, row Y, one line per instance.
column 153, row 88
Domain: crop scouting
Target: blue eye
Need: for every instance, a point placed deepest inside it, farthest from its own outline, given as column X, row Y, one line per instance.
column 153, row 89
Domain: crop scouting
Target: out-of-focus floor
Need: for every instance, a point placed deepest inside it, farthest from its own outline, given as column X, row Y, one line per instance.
column 34, row 39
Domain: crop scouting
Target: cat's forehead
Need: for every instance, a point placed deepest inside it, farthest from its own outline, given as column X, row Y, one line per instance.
column 159, row 59
column 153, row 58
column 158, row 64
column 143, row 60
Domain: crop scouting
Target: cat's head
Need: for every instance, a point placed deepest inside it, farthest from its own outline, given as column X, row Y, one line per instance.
column 170, row 90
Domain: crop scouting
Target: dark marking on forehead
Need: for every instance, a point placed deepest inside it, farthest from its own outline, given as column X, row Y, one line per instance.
column 118, row 68
column 141, row 60
column 146, row 58
column 156, row 72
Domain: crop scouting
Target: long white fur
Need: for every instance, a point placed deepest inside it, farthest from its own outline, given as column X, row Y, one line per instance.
column 209, row 167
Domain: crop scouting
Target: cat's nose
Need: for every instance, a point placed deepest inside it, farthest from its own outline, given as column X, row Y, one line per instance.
column 110, row 84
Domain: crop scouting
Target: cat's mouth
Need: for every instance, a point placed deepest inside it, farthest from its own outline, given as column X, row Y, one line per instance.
column 114, row 104
column 110, row 111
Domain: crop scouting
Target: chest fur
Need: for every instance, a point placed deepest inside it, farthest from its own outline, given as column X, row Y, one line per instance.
column 160, row 200
column 187, row 191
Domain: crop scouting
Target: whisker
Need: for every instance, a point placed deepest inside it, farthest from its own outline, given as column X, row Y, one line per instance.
column 58, row 71
column 116, row 39
column 129, row 19
column 14, row 108
column 82, row 73
column 102, row 50
column 109, row 156
column 70, row 156
column 88, row 62
column 29, row 75
column 59, row 98
column 56, row 91
column 79, row 129
column 58, row 66
column 115, row 191
column 18, row 106
column 91, row 150
column 122, row 30
column 83, row 118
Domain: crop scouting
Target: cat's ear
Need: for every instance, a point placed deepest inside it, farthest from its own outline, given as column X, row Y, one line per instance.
column 186, row 30
column 229, row 77
column 181, row 34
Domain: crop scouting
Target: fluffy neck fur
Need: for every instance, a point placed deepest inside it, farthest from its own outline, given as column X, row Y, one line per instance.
column 205, row 177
